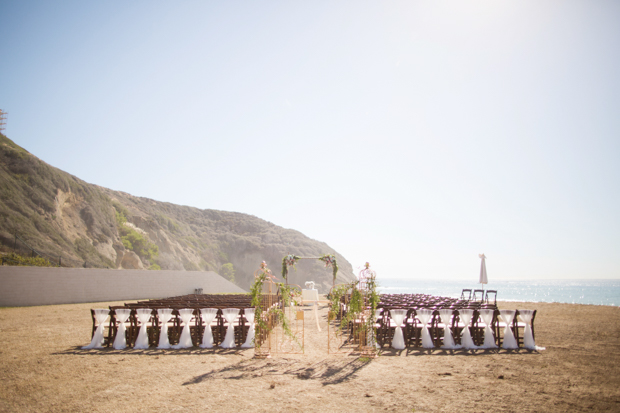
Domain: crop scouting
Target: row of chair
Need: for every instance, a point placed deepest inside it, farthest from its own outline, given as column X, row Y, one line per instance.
column 188, row 320
column 479, row 295
column 450, row 328
column 416, row 301
column 141, row 327
column 198, row 301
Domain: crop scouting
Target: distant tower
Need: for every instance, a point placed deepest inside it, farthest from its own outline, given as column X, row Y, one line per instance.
column 2, row 120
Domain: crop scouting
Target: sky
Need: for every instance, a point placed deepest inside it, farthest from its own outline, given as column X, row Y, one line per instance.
column 411, row 134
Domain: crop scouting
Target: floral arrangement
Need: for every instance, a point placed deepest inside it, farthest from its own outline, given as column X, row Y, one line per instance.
column 335, row 297
column 295, row 297
column 288, row 261
column 330, row 261
column 265, row 273
column 291, row 259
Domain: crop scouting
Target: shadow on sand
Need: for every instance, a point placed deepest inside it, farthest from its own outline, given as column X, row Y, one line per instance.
column 109, row 351
column 327, row 371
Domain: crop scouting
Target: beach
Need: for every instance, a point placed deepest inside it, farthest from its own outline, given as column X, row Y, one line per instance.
column 43, row 368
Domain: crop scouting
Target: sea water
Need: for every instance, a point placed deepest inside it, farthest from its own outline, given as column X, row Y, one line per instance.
column 598, row 292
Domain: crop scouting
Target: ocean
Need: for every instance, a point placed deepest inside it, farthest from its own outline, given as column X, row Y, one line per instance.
column 597, row 292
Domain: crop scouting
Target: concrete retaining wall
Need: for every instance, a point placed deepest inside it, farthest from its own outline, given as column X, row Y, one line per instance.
column 28, row 286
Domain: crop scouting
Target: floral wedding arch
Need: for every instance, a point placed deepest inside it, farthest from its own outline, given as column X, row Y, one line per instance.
column 290, row 261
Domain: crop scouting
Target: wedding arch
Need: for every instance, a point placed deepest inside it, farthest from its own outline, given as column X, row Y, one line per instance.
column 280, row 322
column 329, row 259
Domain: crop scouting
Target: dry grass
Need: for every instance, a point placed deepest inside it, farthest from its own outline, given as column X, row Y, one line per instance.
column 43, row 369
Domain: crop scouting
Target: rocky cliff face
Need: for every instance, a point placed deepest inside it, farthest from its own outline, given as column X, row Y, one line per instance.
column 91, row 226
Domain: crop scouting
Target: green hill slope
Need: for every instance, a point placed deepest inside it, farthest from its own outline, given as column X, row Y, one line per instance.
column 91, row 226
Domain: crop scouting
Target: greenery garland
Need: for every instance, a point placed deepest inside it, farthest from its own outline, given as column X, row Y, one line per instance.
column 330, row 261
column 257, row 302
column 356, row 304
column 261, row 315
column 289, row 260
column 373, row 300
column 290, row 294
column 335, row 298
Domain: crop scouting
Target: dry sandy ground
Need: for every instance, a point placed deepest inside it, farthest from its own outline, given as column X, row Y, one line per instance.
column 42, row 368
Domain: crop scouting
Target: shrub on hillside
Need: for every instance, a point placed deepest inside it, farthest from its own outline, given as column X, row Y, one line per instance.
column 138, row 243
column 18, row 260
column 228, row 271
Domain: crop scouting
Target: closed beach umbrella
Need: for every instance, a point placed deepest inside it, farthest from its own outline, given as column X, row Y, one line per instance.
column 483, row 271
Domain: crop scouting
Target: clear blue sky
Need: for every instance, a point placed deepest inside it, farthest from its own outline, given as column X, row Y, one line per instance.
column 411, row 134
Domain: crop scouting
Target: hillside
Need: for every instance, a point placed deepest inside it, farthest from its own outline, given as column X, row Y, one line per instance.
column 91, row 226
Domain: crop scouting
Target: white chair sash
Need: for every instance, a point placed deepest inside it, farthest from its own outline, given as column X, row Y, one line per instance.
column 487, row 319
column 143, row 315
column 249, row 315
column 185, row 341
column 398, row 316
column 377, row 317
column 425, row 317
column 122, row 315
column 101, row 314
column 509, row 342
column 466, row 340
column 528, row 336
column 164, row 315
column 448, row 340
column 229, row 314
column 208, row 315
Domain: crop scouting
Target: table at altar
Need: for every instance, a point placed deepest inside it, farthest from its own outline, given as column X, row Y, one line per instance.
column 310, row 296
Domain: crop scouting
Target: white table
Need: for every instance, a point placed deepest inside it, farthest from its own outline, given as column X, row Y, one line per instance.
column 310, row 296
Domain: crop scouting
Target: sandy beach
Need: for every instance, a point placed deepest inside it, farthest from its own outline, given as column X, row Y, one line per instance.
column 44, row 369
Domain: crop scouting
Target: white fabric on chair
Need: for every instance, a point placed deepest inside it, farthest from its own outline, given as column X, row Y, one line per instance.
column 185, row 341
column 425, row 316
column 143, row 315
column 101, row 314
column 398, row 316
column 208, row 315
column 249, row 315
column 509, row 342
column 122, row 315
column 229, row 314
column 164, row 315
column 446, row 319
column 528, row 336
column 377, row 318
column 466, row 340
column 378, row 315
column 487, row 319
